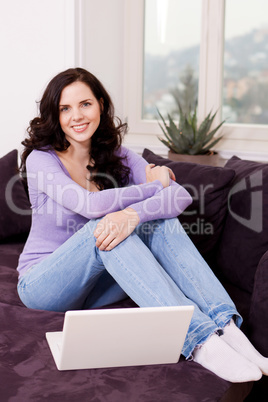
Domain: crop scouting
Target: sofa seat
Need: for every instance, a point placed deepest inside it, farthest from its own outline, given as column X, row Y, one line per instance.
column 28, row 371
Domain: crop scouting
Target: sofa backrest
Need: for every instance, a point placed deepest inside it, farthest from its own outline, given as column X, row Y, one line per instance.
column 245, row 237
column 15, row 212
column 209, row 187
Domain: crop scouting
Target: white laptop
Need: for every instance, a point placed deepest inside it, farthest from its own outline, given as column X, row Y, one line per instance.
column 120, row 337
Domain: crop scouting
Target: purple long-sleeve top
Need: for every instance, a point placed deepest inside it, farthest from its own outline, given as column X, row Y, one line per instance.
column 60, row 206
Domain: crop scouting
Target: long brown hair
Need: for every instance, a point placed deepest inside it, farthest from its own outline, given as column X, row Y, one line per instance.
column 45, row 131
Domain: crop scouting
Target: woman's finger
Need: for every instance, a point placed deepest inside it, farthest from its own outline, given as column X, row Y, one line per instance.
column 101, row 239
column 113, row 244
column 107, row 241
column 171, row 174
column 149, row 167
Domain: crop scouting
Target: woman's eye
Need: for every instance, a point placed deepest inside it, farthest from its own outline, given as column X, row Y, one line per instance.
column 64, row 109
column 86, row 104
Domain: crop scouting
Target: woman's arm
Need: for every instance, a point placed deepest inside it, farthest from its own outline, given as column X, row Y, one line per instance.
column 171, row 201
column 46, row 176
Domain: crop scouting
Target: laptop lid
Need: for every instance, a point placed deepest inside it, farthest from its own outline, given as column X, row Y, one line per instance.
column 120, row 337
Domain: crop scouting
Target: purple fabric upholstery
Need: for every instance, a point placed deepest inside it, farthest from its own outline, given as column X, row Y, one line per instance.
column 12, row 222
column 27, row 368
column 258, row 315
column 28, row 371
column 245, row 236
column 204, row 219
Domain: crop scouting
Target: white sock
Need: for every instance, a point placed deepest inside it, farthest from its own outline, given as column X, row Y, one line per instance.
column 238, row 341
column 225, row 362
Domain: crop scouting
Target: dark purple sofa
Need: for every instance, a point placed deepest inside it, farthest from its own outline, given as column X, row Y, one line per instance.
column 228, row 222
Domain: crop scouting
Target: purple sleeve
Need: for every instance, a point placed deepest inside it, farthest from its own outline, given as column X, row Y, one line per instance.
column 46, row 179
column 167, row 203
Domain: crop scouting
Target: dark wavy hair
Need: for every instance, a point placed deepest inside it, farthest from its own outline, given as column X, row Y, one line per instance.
column 45, row 131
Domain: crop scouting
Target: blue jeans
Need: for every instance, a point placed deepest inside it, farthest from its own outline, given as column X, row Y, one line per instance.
column 157, row 265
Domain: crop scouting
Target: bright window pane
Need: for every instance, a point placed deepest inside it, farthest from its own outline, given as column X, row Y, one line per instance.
column 245, row 88
column 171, row 55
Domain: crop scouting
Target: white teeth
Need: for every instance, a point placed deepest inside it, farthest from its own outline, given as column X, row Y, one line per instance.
column 79, row 127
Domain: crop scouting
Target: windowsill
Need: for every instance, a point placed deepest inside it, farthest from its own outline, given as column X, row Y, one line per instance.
column 244, row 149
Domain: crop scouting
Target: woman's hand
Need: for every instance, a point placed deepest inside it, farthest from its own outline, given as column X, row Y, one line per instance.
column 161, row 173
column 115, row 227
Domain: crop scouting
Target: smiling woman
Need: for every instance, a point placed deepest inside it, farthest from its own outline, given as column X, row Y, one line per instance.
column 79, row 113
column 135, row 215
column 73, row 98
column 79, row 117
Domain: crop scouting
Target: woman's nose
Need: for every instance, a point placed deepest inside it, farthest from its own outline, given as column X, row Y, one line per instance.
column 77, row 114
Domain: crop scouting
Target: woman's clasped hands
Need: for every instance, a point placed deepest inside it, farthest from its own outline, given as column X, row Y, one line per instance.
column 117, row 226
column 160, row 173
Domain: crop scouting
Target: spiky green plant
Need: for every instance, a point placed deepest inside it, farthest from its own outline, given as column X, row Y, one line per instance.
column 186, row 137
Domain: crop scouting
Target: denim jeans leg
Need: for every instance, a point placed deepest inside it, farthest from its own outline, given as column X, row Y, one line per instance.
column 136, row 270
column 64, row 279
column 106, row 291
column 174, row 250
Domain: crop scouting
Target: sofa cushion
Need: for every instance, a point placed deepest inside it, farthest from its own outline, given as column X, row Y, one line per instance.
column 245, row 236
column 28, row 371
column 15, row 213
column 203, row 220
column 258, row 323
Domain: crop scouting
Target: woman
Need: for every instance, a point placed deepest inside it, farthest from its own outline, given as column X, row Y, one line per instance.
column 104, row 228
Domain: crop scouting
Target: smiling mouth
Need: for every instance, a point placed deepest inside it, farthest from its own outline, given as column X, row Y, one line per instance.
column 80, row 128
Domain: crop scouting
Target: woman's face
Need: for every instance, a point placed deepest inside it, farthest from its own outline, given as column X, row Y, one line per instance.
column 79, row 113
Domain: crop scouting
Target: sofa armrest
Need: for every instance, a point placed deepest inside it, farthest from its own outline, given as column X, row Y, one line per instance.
column 258, row 315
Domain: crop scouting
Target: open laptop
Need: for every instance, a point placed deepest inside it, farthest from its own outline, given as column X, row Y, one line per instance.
column 120, row 337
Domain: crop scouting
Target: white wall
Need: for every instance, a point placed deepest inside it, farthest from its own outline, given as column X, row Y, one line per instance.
column 104, row 46
column 39, row 38
column 36, row 42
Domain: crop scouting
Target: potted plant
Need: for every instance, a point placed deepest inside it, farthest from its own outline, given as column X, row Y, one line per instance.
column 186, row 139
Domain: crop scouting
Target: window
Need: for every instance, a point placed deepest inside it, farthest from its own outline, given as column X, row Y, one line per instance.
column 245, row 85
column 170, row 56
column 215, row 26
